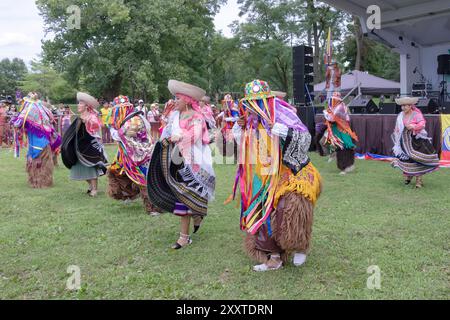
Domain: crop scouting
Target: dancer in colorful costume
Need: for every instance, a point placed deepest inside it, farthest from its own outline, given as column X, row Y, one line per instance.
column 338, row 134
column 36, row 123
column 181, row 177
column 415, row 154
column 333, row 79
column 3, row 122
column 279, row 186
column 225, row 139
column 127, row 175
column 82, row 149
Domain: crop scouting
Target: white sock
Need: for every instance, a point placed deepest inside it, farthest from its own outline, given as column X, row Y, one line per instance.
column 299, row 259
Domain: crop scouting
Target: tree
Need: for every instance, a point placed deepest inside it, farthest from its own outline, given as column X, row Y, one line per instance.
column 318, row 18
column 359, row 40
column 11, row 73
column 48, row 82
column 131, row 46
column 274, row 26
column 265, row 39
column 367, row 55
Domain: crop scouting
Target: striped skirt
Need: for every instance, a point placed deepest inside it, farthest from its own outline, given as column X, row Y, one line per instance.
column 167, row 189
column 421, row 157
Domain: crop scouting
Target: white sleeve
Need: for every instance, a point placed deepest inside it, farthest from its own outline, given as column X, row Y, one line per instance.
column 114, row 134
column 176, row 129
column 172, row 127
column 237, row 133
column 280, row 130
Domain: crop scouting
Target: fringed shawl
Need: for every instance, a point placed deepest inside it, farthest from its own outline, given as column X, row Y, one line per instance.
column 263, row 158
column 35, row 119
column 79, row 145
column 135, row 147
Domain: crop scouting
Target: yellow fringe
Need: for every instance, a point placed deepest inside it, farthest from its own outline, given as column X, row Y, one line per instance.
column 307, row 183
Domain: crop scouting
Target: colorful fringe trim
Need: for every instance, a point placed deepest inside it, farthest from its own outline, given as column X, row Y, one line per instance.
column 124, row 165
column 307, row 183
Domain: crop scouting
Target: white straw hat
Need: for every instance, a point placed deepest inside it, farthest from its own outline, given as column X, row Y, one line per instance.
column 406, row 101
column 88, row 99
column 189, row 90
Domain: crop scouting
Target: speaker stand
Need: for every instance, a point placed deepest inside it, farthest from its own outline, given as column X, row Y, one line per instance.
column 444, row 96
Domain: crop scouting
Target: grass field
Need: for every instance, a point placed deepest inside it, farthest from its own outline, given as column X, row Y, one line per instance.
column 364, row 219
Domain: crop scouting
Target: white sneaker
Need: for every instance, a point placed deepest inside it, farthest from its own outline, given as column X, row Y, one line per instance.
column 155, row 214
column 264, row 267
column 350, row 169
column 299, row 259
column 343, row 173
column 330, row 160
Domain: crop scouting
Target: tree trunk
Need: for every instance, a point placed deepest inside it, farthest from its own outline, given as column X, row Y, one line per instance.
column 114, row 90
column 359, row 43
column 317, row 73
column 315, row 34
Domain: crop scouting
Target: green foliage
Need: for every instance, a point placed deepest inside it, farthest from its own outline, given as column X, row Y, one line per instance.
column 48, row 82
column 11, row 73
column 133, row 46
column 271, row 29
column 377, row 59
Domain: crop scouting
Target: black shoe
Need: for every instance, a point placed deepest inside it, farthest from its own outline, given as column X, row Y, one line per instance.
column 196, row 228
column 178, row 246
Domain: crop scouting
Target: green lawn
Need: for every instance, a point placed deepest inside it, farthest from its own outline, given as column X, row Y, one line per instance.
column 364, row 219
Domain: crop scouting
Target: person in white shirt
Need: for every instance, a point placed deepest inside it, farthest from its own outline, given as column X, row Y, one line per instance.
column 154, row 117
column 141, row 107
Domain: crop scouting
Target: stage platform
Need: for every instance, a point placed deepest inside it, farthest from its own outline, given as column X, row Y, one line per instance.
column 375, row 130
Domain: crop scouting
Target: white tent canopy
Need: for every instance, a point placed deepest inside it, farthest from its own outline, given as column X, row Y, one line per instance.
column 369, row 84
column 419, row 30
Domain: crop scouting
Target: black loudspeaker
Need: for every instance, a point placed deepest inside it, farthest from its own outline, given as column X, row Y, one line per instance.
column 363, row 106
column 428, row 106
column 389, row 108
column 445, row 109
column 303, row 76
column 444, row 64
column 306, row 114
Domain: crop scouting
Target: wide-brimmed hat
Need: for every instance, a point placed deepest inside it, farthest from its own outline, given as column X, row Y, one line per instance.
column 88, row 99
column 280, row 94
column 406, row 101
column 257, row 89
column 178, row 87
